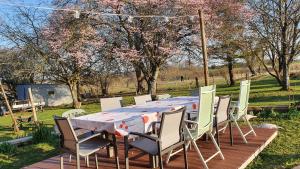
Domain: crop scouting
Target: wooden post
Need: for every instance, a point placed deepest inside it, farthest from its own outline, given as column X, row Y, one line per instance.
column 204, row 49
column 16, row 128
column 31, row 101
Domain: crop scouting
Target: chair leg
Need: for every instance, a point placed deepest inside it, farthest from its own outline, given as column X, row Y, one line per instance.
column 199, row 154
column 169, row 156
column 185, row 157
column 231, row 134
column 216, row 145
column 217, row 133
column 240, row 131
column 250, row 126
column 78, row 161
column 160, row 161
column 225, row 127
column 61, row 162
column 87, row 161
column 96, row 160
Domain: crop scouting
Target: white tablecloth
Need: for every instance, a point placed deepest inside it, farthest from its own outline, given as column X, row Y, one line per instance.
column 136, row 118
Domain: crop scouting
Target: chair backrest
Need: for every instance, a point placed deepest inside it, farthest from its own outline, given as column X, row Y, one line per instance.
column 206, row 108
column 73, row 113
column 68, row 136
column 163, row 96
column 142, row 99
column 110, row 103
column 223, row 107
column 171, row 128
column 243, row 98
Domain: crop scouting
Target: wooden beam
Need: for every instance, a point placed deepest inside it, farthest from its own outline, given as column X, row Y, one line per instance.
column 204, row 49
column 16, row 128
column 31, row 101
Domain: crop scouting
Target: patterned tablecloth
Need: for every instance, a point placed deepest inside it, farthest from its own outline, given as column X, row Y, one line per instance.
column 136, row 118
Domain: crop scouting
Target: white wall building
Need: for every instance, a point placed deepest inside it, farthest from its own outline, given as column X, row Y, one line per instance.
column 51, row 94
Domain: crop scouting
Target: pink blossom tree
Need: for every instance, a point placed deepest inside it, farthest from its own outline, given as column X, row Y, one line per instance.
column 72, row 46
column 148, row 42
column 156, row 39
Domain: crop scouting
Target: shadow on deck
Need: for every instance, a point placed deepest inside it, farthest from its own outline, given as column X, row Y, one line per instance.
column 237, row 156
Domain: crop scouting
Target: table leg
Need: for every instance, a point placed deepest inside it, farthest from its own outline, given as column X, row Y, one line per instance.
column 126, row 152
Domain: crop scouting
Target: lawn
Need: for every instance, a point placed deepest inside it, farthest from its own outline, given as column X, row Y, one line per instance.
column 264, row 92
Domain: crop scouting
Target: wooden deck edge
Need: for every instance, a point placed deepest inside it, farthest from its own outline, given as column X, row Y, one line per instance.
column 262, row 147
column 18, row 141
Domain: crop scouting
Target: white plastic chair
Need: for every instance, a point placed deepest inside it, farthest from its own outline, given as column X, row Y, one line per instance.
column 163, row 96
column 143, row 99
column 110, row 103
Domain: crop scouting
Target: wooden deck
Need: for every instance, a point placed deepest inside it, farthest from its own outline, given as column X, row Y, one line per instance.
column 237, row 156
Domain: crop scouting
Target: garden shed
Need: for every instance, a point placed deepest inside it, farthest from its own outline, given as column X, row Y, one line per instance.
column 51, row 94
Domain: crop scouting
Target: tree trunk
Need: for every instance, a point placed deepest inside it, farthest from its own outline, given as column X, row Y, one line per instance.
column 78, row 91
column 152, row 81
column 104, row 84
column 286, row 77
column 230, row 70
column 139, row 77
column 252, row 70
column 73, row 88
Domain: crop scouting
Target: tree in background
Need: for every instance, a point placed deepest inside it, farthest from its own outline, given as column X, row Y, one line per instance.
column 22, row 61
column 156, row 40
column 72, row 49
column 277, row 25
column 227, row 39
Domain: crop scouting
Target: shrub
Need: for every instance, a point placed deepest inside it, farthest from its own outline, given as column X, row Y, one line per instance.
column 8, row 149
column 292, row 113
column 269, row 113
column 43, row 134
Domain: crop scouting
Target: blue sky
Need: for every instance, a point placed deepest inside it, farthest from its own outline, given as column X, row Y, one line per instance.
column 7, row 10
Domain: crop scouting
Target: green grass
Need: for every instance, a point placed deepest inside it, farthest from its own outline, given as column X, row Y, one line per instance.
column 46, row 117
column 28, row 155
column 284, row 152
column 264, row 91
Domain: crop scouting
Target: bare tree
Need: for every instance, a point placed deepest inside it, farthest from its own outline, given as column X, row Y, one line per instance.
column 277, row 24
column 22, row 58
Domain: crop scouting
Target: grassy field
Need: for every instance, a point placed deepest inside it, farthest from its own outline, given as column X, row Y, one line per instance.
column 264, row 92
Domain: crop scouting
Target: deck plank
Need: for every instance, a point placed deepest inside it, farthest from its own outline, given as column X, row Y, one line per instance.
column 237, row 156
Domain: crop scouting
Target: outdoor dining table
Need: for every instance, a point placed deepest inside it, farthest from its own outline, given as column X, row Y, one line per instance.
column 135, row 118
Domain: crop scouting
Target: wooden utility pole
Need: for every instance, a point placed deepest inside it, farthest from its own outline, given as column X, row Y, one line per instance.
column 31, row 101
column 16, row 128
column 204, row 49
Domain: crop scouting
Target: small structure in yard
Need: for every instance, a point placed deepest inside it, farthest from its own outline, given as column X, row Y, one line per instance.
column 49, row 94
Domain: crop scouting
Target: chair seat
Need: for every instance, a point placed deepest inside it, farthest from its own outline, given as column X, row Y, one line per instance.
column 146, row 145
column 91, row 146
column 82, row 132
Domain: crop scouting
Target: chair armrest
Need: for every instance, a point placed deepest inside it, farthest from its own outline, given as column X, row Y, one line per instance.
column 145, row 136
column 190, row 122
column 154, row 126
column 192, row 112
column 90, row 137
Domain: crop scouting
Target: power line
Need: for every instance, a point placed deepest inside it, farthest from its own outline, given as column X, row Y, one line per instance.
column 77, row 12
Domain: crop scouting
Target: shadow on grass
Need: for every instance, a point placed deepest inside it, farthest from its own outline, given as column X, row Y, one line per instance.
column 28, row 155
column 273, row 98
